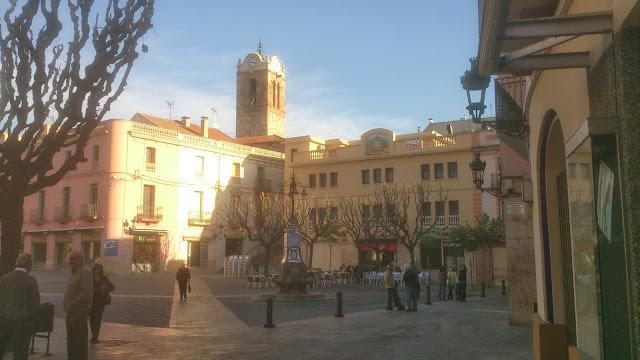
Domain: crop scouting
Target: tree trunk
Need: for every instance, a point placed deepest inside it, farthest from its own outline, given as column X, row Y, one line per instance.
column 412, row 254
column 310, row 256
column 11, row 218
column 267, row 260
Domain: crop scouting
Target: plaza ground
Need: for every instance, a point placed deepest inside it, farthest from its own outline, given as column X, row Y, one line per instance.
column 221, row 320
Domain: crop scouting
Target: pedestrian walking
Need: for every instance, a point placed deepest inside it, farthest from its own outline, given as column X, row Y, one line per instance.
column 462, row 283
column 411, row 279
column 452, row 279
column 19, row 301
column 442, row 279
column 77, row 306
column 183, row 277
column 392, row 290
column 102, row 287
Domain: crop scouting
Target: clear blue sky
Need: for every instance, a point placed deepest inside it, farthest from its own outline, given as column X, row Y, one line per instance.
column 351, row 65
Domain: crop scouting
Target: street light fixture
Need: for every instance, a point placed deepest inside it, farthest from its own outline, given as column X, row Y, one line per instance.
column 472, row 81
column 477, row 167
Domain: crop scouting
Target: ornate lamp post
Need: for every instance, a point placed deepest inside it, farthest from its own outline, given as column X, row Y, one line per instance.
column 293, row 272
column 477, row 167
column 472, row 81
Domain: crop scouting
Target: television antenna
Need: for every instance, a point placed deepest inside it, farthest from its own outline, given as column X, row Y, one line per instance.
column 170, row 105
column 215, row 117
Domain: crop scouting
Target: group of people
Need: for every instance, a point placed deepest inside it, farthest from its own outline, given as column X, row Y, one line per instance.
column 453, row 281
column 86, row 295
column 411, row 281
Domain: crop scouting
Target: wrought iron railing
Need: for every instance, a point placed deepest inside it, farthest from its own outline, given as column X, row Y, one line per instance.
column 150, row 167
column 89, row 212
column 62, row 214
column 149, row 214
column 454, row 220
column 38, row 216
column 509, row 98
column 441, row 221
column 199, row 218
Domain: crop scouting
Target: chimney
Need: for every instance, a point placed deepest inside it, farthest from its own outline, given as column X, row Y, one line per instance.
column 186, row 122
column 204, row 124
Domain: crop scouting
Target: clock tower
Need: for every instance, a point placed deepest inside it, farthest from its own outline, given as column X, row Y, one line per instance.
column 260, row 97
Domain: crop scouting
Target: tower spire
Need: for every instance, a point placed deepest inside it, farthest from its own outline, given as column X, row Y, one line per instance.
column 260, row 46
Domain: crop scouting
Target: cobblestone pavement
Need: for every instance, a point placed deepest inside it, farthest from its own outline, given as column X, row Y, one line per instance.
column 141, row 299
column 219, row 321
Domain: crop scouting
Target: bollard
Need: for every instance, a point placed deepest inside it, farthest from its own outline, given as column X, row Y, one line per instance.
column 484, row 290
column 339, row 313
column 428, row 294
column 504, row 288
column 269, row 323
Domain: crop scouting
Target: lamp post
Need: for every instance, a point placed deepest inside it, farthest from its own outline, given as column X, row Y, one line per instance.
column 477, row 167
column 472, row 82
column 293, row 272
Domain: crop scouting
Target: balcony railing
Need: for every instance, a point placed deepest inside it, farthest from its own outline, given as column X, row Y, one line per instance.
column 199, row 173
column 199, row 218
column 89, row 212
column 150, row 167
column 149, row 214
column 454, row 220
column 62, row 214
column 425, row 221
column 263, row 185
column 440, row 221
column 322, row 154
column 38, row 216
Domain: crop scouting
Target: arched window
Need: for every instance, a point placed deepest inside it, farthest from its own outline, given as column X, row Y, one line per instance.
column 278, row 97
column 253, row 90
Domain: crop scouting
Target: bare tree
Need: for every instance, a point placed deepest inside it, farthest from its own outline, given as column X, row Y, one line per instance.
column 317, row 220
column 262, row 217
column 69, row 89
column 406, row 213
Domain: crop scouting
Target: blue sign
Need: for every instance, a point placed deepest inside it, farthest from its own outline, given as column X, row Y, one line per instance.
column 110, row 248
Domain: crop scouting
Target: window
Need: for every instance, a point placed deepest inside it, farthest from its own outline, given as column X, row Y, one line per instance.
column 67, row 155
column 150, row 159
column 572, row 171
column 293, row 152
column 366, row 212
column 253, row 91
column 93, row 194
column 377, row 211
column 323, row 180
column 377, row 176
column 388, row 174
column 322, row 215
column 439, row 208
column 312, row 180
column 66, row 202
column 148, row 201
column 452, row 170
column 333, row 179
column 439, row 171
column 273, row 89
column 278, row 97
column 199, row 166
column 261, row 172
column 236, row 169
column 425, row 208
column 425, row 172
column 333, row 214
column 199, row 203
column 95, row 157
column 585, row 170
column 453, row 208
column 42, row 196
column 365, row 176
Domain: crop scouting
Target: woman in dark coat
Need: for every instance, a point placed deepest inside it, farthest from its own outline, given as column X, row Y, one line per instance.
column 462, row 283
column 101, row 289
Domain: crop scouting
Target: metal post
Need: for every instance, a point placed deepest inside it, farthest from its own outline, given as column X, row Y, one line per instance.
column 339, row 305
column 484, row 291
column 504, row 288
column 269, row 323
column 428, row 294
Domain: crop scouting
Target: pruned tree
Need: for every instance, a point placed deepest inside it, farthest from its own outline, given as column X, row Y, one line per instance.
column 262, row 217
column 406, row 216
column 486, row 232
column 66, row 80
column 317, row 220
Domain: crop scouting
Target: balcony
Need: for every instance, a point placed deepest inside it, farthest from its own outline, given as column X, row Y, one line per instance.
column 38, row 216
column 89, row 212
column 441, row 222
column 62, row 214
column 199, row 218
column 148, row 214
column 150, row 167
column 199, row 174
column 235, row 180
column 262, row 185
column 425, row 221
column 454, row 220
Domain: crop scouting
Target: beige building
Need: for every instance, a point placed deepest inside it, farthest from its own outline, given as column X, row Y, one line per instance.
column 438, row 156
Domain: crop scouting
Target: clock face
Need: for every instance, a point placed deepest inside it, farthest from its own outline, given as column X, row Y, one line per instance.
column 253, row 63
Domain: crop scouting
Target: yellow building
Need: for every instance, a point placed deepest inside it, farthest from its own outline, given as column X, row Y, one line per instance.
column 338, row 168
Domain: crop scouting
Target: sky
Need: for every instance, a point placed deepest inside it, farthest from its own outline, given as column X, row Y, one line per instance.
column 351, row 65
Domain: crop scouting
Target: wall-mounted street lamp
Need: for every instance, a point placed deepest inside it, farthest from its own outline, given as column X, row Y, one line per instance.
column 477, row 170
column 473, row 82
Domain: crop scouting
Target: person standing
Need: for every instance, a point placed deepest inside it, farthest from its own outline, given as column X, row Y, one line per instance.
column 442, row 289
column 77, row 305
column 410, row 279
column 102, row 286
column 183, row 277
column 462, row 283
column 19, row 302
column 392, row 290
column 452, row 279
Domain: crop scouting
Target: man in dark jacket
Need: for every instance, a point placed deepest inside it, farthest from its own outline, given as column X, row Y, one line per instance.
column 183, row 277
column 411, row 279
column 19, row 301
column 77, row 305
